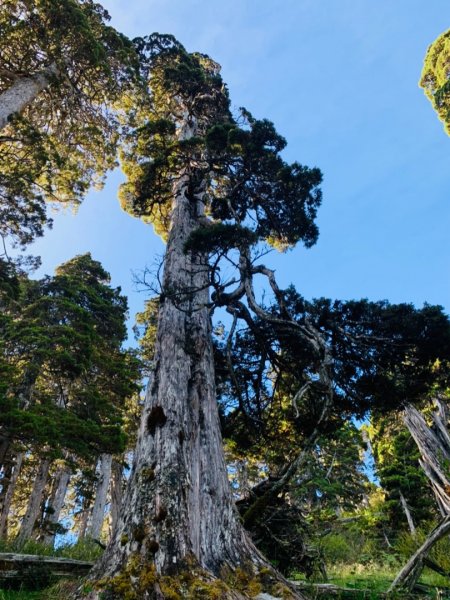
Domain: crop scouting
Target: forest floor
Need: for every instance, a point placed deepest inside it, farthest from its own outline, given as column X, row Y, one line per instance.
column 373, row 580
column 368, row 581
column 356, row 584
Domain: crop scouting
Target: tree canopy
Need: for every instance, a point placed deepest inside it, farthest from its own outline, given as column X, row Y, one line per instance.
column 64, row 139
column 435, row 77
column 246, row 181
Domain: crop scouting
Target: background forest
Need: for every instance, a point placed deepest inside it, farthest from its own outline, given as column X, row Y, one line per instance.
column 337, row 451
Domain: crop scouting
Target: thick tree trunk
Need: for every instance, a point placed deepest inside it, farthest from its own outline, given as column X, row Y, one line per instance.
column 116, row 494
column 178, row 514
column 34, row 504
column 179, row 510
column 101, row 493
column 56, row 503
column 179, row 502
column 7, row 494
column 23, row 91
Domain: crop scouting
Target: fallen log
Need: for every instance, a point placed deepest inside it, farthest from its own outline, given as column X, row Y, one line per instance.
column 31, row 571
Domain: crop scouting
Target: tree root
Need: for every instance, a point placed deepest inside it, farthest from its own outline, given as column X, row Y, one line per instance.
column 139, row 581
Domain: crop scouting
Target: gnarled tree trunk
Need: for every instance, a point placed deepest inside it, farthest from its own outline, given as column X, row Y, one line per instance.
column 179, row 503
column 179, row 513
column 434, row 445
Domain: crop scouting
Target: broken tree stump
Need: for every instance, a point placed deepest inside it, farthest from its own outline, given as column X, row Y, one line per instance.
column 410, row 573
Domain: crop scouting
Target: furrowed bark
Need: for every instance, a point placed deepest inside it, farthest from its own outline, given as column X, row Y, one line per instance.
column 178, row 497
column 22, row 92
column 178, row 513
column 98, row 510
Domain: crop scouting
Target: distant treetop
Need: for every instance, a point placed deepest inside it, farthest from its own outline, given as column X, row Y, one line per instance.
column 435, row 79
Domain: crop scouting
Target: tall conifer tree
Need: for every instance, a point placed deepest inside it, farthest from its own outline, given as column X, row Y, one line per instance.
column 205, row 181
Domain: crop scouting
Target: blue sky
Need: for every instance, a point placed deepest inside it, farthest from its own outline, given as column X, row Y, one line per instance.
column 339, row 80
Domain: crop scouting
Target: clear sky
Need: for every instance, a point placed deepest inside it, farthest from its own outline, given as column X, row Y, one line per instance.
column 339, row 80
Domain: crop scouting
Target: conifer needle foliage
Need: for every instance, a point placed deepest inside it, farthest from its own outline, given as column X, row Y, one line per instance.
column 248, row 183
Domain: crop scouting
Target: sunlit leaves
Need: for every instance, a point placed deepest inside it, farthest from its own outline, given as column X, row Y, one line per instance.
column 65, row 140
column 435, row 79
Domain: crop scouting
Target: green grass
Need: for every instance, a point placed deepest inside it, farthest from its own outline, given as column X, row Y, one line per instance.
column 82, row 550
column 373, row 579
column 21, row 595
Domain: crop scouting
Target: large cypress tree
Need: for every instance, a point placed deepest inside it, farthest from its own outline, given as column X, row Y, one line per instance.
column 207, row 181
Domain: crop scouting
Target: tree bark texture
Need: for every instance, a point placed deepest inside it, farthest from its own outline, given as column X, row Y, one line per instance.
column 179, row 503
column 116, row 494
column 7, row 493
column 178, row 513
column 56, row 503
column 34, row 503
column 22, row 92
column 101, row 493
column 434, row 445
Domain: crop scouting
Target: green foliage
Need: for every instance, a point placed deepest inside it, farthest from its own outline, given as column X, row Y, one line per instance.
column 406, row 544
column 382, row 356
column 85, row 549
column 397, row 466
column 435, row 77
column 145, row 331
column 69, row 375
column 66, row 138
column 219, row 237
column 247, row 181
column 20, row 595
column 353, row 563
